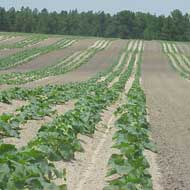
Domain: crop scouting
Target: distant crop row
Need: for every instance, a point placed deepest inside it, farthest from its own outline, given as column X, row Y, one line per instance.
column 4, row 38
column 128, row 168
column 29, row 41
column 179, row 61
column 29, row 54
column 31, row 167
column 62, row 66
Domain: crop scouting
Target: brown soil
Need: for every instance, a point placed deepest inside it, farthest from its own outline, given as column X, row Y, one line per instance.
column 12, row 40
column 46, row 42
column 89, row 169
column 7, row 52
column 51, row 57
column 101, row 61
column 184, row 48
column 10, row 108
column 168, row 99
column 29, row 130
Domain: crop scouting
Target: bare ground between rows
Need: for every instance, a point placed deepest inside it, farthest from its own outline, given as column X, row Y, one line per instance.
column 184, row 48
column 89, row 169
column 46, row 42
column 168, row 99
column 12, row 40
column 101, row 61
column 98, row 63
column 52, row 57
column 30, row 128
column 10, row 108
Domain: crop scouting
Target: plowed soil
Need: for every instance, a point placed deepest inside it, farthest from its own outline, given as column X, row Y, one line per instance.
column 184, row 48
column 51, row 57
column 7, row 52
column 13, row 40
column 101, row 61
column 168, row 98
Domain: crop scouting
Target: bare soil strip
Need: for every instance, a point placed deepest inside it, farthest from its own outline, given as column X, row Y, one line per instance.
column 46, row 42
column 175, row 64
column 88, row 170
column 114, row 69
column 13, row 40
column 152, row 160
column 29, row 130
column 51, row 58
column 8, row 52
column 186, row 60
column 98, row 63
column 182, row 63
column 184, row 48
column 168, row 99
column 175, row 48
column 10, row 108
column 124, row 69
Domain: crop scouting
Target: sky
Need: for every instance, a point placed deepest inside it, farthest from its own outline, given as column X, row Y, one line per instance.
column 109, row 6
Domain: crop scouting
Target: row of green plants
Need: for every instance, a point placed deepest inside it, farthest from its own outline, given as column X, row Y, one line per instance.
column 128, row 168
column 61, row 67
column 29, row 41
column 5, row 37
column 41, row 99
column 20, row 93
column 29, row 54
column 179, row 61
column 57, row 140
column 169, row 47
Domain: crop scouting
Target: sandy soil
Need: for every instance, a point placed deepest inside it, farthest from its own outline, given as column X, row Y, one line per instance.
column 10, row 108
column 29, row 130
column 168, row 99
column 51, row 57
column 88, row 170
column 46, row 42
column 101, row 61
column 13, row 40
column 184, row 47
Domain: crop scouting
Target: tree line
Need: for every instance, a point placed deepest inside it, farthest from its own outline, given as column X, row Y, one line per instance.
column 124, row 24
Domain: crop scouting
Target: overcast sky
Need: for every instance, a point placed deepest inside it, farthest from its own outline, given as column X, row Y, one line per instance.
column 110, row 6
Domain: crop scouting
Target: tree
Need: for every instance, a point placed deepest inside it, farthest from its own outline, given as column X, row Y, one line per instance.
column 124, row 24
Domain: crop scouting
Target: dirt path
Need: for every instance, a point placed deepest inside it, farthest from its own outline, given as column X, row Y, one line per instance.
column 168, row 99
column 101, row 61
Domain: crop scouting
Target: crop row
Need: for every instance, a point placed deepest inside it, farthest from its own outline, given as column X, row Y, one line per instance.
column 41, row 99
column 128, row 168
column 61, row 67
column 5, row 37
column 179, row 61
column 58, row 139
column 29, row 54
column 25, row 43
